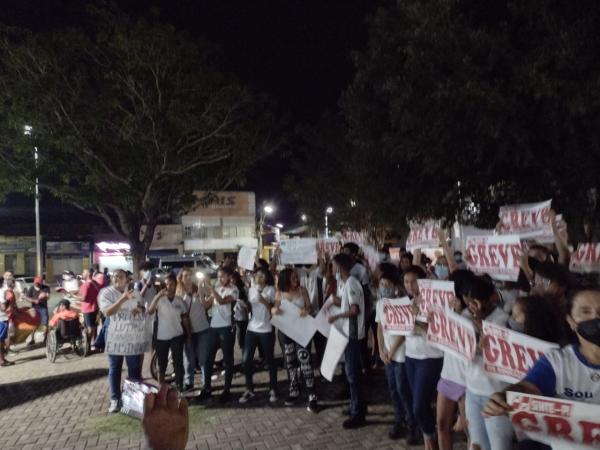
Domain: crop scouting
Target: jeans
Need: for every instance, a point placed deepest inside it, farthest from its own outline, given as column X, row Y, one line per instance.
column 297, row 363
column 115, row 367
column 240, row 330
column 195, row 356
column 423, row 376
column 395, row 373
column 492, row 433
column 353, row 369
column 162, row 352
column 223, row 337
column 264, row 341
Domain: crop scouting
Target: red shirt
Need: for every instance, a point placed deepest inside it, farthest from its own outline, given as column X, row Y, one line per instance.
column 66, row 314
column 89, row 293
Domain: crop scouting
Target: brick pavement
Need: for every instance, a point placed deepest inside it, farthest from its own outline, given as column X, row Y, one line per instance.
column 63, row 406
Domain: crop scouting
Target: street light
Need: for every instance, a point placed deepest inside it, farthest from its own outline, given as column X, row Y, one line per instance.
column 266, row 210
column 303, row 217
column 27, row 130
column 328, row 211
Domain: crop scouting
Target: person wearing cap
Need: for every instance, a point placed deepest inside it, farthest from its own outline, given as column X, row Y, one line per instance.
column 63, row 312
column 88, row 298
column 38, row 295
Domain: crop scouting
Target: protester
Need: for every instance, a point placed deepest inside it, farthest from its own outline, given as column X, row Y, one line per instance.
column 260, row 333
column 241, row 310
column 38, row 295
column 63, row 312
column 173, row 331
column 4, row 332
column 88, row 298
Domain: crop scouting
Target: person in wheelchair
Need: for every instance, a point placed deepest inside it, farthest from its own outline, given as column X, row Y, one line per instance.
column 65, row 320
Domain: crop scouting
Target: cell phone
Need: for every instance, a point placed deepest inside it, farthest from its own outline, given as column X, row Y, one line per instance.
column 131, row 286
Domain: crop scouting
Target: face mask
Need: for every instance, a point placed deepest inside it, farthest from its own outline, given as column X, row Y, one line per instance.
column 441, row 271
column 590, row 330
column 386, row 292
column 516, row 326
column 458, row 259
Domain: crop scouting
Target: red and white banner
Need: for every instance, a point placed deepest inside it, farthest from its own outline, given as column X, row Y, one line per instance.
column 528, row 220
column 331, row 246
column 497, row 256
column 586, row 259
column 423, row 235
column 507, row 354
column 398, row 316
column 452, row 333
column 433, row 293
column 561, row 424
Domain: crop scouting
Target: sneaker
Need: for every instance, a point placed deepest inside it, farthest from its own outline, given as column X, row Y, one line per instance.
column 214, row 377
column 224, row 397
column 291, row 401
column 353, row 422
column 397, row 432
column 272, row 396
column 346, row 411
column 222, row 373
column 312, row 407
column 204, row 395
column 246, row 396
column 114, row 406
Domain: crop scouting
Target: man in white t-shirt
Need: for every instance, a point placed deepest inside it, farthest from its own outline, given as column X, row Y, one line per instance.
column 351, row 301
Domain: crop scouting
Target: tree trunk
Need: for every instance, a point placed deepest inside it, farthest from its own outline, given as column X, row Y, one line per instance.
column 139, row 249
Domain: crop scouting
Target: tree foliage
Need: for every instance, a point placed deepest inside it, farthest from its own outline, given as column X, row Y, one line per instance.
column 129, row 118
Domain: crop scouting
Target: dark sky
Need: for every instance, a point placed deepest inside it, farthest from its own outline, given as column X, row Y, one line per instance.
column 297, row 51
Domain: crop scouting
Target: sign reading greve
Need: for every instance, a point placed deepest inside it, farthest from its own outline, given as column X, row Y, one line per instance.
column 128, row 334
column 530, row 220
column 433, row 293
column 562, row 424
column 331, row 246
column 398, row 316
column 422, row 235
column 586, row 259
column 452, row 333
column 497, row 256
column 507, row 354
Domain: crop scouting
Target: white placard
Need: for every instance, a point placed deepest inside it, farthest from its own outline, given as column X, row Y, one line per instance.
column 322, row 319
column 586, row 259
column 246, row 257
column 128, row 334
column 336, row 344
column 398, row 316
column 290, row 323
column 433, row 293
column 451, row 333
column 423, row 235
column 498, row 256
column 298, row 251
column 530, row 220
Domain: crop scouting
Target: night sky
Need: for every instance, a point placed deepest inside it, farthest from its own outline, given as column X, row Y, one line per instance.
column 296, row 51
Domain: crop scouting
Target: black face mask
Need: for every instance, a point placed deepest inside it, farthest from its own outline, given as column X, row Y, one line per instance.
column 590, row 330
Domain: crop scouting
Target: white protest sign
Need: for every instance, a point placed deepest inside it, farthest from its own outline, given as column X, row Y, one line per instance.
column 423, row 235
column 586, row 259
column 298, row 251
column 246, row 257
column 371, row 255
column 452, row 333
column 336, row 344
column 528, row 220
column 433, row 293
column 498, row 256
column 507, row 354
column 128, row 334
column 398, row 316
column 289, row 322
column 561, row 424
column 322, row 318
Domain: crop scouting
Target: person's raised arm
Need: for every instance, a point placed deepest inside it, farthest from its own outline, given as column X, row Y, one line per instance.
column 496, row 404
column 154, row 303
column 115, row 307
column 561, row 240
column 448, row 253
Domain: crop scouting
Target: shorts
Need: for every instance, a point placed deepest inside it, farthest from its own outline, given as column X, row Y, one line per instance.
column 450, row 389
column 43, row 313
column 90, row 319
column 3, row 331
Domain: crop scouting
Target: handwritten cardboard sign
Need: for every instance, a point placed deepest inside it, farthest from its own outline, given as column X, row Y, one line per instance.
column 398, row 316
column 128, row 334
column 246, row 257
column 422, row 235
column 497, row 256
column 298, row 251
column 452, row 333
column 507, row 354
column 586, row 259
column 434, row 293
column 530, row 220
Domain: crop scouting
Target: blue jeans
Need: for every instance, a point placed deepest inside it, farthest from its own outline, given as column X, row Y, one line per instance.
column 195, row 356
column 491, row 433
column 423, row 376
column 353, row 369
column 264, row 341
column 223, row 337
column 115, row 367
column 395, row 373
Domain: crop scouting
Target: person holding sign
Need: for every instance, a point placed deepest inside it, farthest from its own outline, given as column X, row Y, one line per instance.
column 297, row 357
column 570, row 373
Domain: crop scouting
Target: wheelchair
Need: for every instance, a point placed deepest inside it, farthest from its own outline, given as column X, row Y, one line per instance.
column 69, row 332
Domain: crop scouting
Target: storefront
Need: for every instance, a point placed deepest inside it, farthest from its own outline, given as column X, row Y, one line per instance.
column 113, row 255
column 17, row 254
column 66, row 255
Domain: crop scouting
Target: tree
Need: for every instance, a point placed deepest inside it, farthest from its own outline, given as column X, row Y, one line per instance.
column 129, row 118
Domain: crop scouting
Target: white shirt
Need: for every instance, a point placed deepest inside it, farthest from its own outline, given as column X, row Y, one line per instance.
column 221, row 314
column 351, row 293
column 454, row 369
column 169, row 314
column 360, row 272
column 389, row 339
column 197, row 313
column 260, row 322
column 478, row 381
column 3, row 315
column 108, row 296
column 418, row 348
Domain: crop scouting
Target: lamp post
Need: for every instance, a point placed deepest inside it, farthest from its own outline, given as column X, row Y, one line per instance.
column 266, row 210
column 328, row 211
column 27, row 129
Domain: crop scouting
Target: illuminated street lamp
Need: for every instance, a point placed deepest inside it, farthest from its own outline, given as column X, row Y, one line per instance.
column 27, row 130
column 328, row 211
column 266, row 210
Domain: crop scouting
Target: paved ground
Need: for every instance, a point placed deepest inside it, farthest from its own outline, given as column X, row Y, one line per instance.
column 63, row 406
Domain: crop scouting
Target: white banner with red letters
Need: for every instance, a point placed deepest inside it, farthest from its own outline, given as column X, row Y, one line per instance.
column 561, row 424
column 398, row 316
column 586, row 259
column 528, row 220
column 452, row 333
column 433, row 293
column 498, row 256
column 423, row 235
column 329, row 246
column 507, row 354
